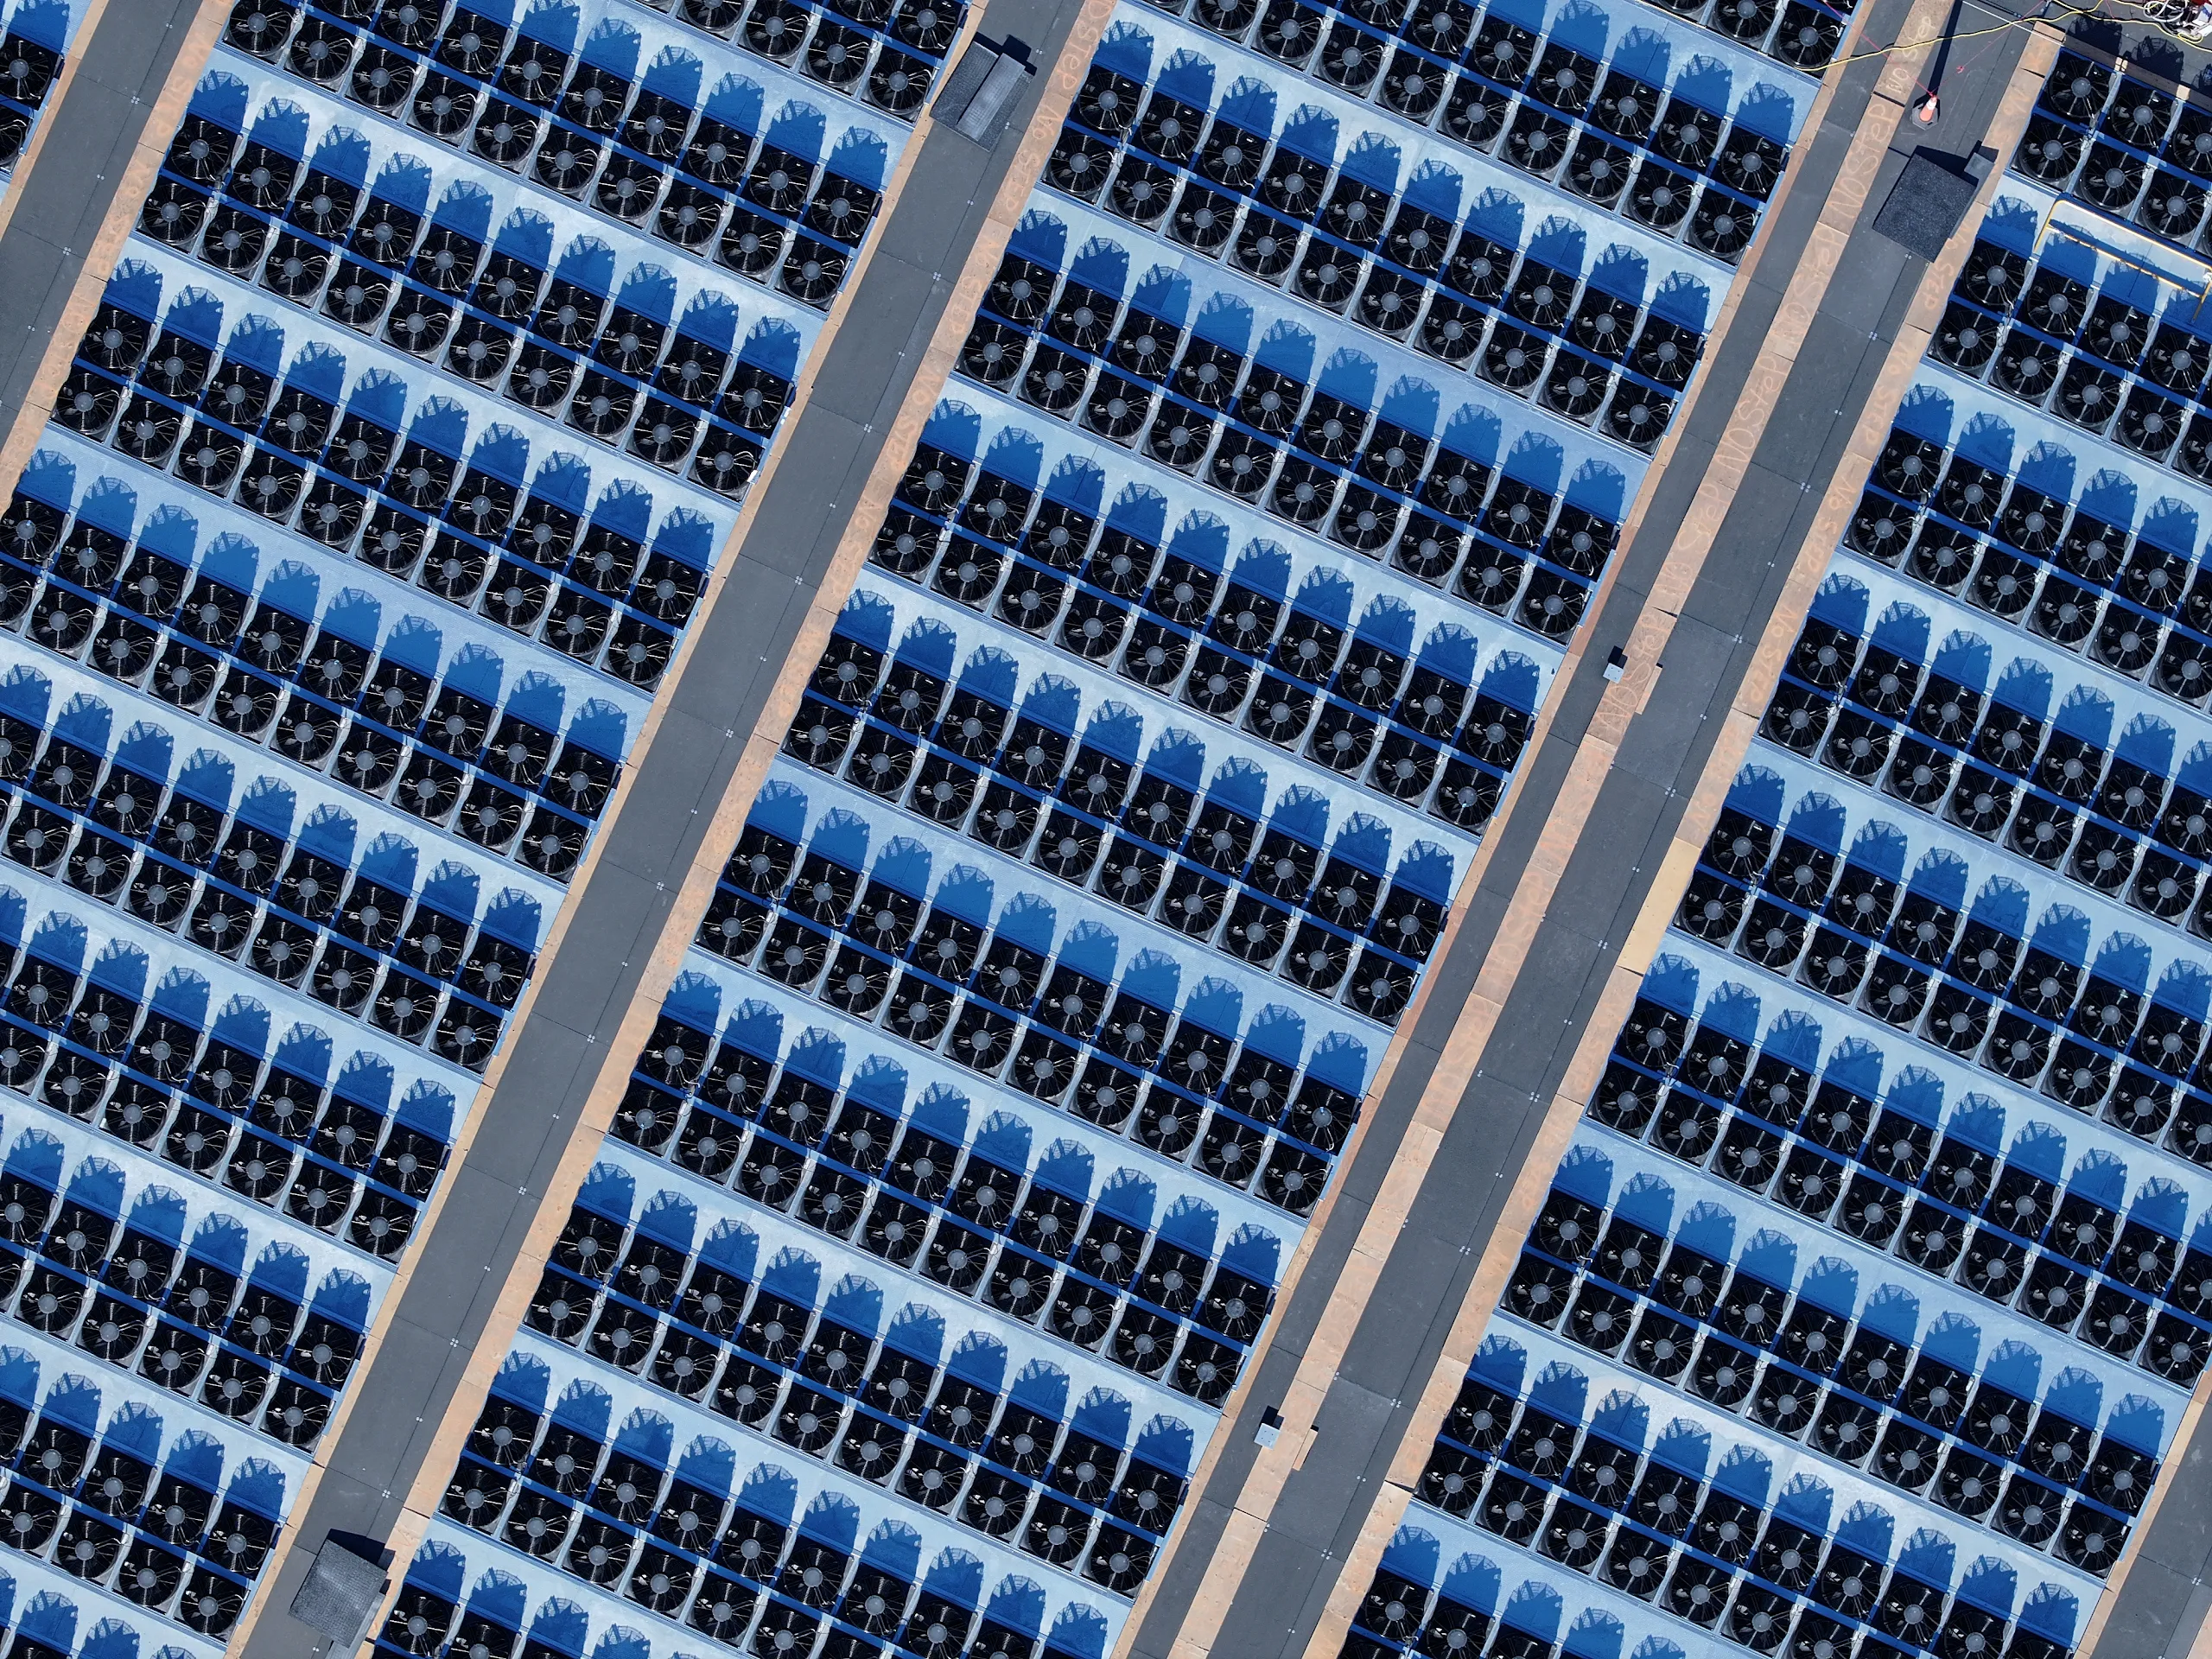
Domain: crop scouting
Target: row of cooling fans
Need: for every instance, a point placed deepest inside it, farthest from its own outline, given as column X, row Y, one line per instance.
column 1082, row 1311
column 1585, row 389
column 970, row 570
column 225, row 923
column 1164, row 1122
column 970, row 573
column 776, row 30
column 1968, row 724
column 849, row 56
column 115, row 1490
column 2045, row 1286
column 1212, row 650
column 478, row 347
column 2076, row 600
column 535, row 1498
column 182, row 375
column 522, row 594
column 857, row 1143
column 1219, row 664
column 1776, row 1098
column 2068, row 312
column 1684, row 1561
column 1198, row 200
column 1005, row 988
column 284, row 1110
column 1539, row 306
column 122, row 817
column 1935, row 933
column 259, row 180
column 1694, row 1587
column 2093, row 556
column 2166, row 203
column 1717, row 1522
column 2095, row 135
column 1081, row 366
column 691, row 213
column 1836, row 960
column 524, row 597
column 1101, row 1258
column 1939, row 1238
column 1255, row 632
column 1659, row 1534
column 1482, row 276
column 2095, row 385
column 613, row 394
column 630, row 175
column 1227, row 679
column 1265, row 1091
column 1716, row 1530
column 363, row 751
column 1476, row 108
column 109, row 1304
column 2075, row 1033
column 1246, row 462
column 1439, row 33
column 957, row 796
column 250, row 861
column 1401, row 759
column 619, row 166
column 1958, row 1185
column 250, row 1144
column 27, row 72
column 81, row 1078
column 137, row 1567
column 269, row 1367
column 660, row 1557
column 1517, row 519
column 2078, row 841
column 800, row 1402
column 2090, row 95
column 922, row 1002
column 1020, row 1439
column 1773, row 1096
column 102, row 862
column 793, row 1605
column 422, row 1620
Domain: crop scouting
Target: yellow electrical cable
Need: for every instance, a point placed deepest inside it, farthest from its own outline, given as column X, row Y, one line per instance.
column 2049, row 6
column 1915, row 46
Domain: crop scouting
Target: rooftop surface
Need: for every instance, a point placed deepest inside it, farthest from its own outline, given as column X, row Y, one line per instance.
column 1388, row 839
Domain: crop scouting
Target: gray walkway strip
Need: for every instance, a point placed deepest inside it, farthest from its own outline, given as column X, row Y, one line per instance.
column 1388, row 1363
column 589, row 982
column 2161, row 1609
column 82, row 148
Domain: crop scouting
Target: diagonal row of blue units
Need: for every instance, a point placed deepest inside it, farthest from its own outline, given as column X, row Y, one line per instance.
column 1864, row 1307
column 1114, row 830
column 385, row 481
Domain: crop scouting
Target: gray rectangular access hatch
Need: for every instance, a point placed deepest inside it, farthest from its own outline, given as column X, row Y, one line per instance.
column 342, row 1590
column 1929, row 199
column 977, row 94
